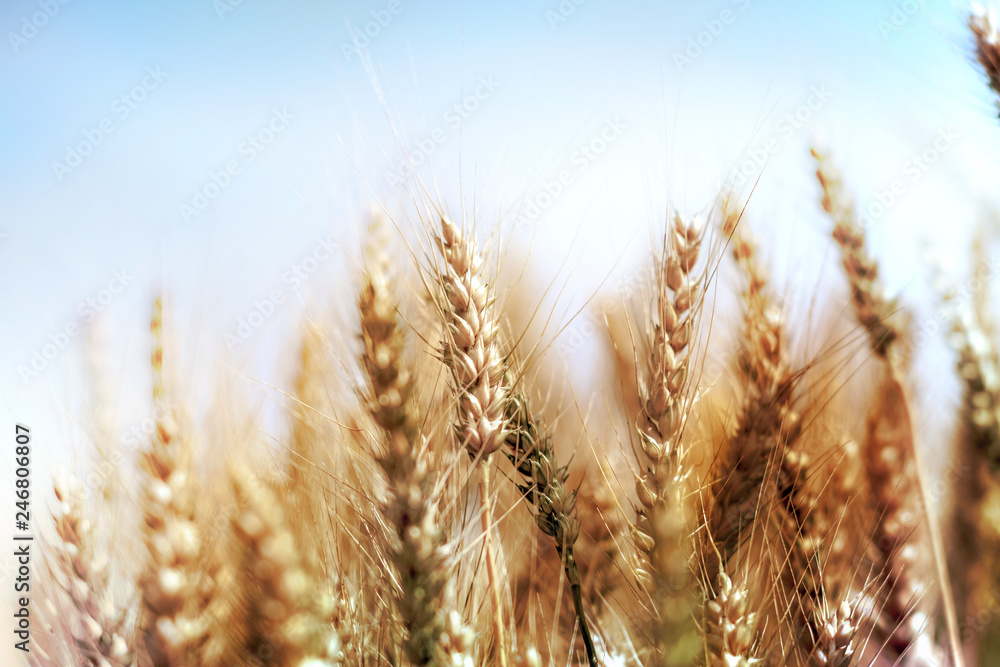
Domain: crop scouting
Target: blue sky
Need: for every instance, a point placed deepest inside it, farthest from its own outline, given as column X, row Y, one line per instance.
column 891, row 78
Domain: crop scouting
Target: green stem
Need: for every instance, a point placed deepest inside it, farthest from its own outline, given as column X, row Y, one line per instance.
column 573, row 575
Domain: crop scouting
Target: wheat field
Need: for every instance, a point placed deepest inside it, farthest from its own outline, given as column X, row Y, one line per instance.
column 750, row 489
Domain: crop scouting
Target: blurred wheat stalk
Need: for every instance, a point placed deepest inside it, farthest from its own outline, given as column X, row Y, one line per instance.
column 388, row 533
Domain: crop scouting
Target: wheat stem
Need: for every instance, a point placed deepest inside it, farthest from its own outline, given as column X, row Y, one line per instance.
column 491, row 572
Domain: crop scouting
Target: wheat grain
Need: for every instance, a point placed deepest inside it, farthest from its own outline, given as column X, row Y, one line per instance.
column 835, row 646
column 730, row 628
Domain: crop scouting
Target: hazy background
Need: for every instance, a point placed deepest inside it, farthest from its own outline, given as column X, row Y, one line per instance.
column 672, row 99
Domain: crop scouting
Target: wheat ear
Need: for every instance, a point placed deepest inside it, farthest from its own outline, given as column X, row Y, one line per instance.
column 661, row 532
column 890, row 442
column 893, row 490
column 471, row 351
column 98, row 627
column 542, row 481
column 835, row 644
column 982, row 23
column 805, row 537
column 874, row 312
column 977, row 458
column 170, row 585
column 768, row 421
column 289, row 618
column 419, row 548
column 979, row 372
column 729, row 626
column 600, row 528
column 308, row 452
